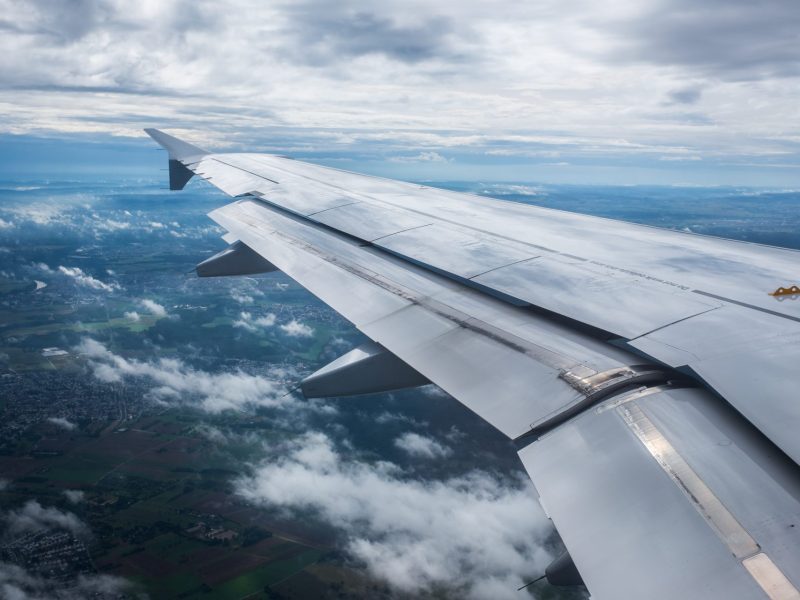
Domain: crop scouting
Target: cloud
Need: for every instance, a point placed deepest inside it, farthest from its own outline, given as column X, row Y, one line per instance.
column 420, row 446
column 63, row 423
column 85, row 280
column 133, row 316
column 4, row 484
column 421, row 157
column 241, row 298
column 154, row 307
column 61, row 23
column 685, row 95
column 323, row 34
column 679, row 158
column 387, row 417
column 112, row 225
column 42, row 213
column 483, row 84
column 74, row 496
column 729, row 39
column 246, row 321
column 475, row 533
column 35, row 517
column 6, row 224
column 295, row 328
column 433, row 391
column 508, row 189
column 174, row 381
column 16, row 583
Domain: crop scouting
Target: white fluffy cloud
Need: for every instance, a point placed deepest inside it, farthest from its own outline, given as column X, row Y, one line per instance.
column 420, row 446
column 35, row 517
column 474, row 532
column 429, row 156
column 250, row 323
column 153, row 307
column 295, row 328
column 63, row 423
column 175, row 381
column 85, row 280
column 241, row 298
column 74, row 496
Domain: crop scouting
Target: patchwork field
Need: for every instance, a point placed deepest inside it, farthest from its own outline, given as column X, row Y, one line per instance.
column 156, row 492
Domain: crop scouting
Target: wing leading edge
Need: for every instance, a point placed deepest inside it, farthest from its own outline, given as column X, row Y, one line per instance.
column 543, row 324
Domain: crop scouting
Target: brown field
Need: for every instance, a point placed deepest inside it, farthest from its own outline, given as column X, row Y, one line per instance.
column 230, row 566
column 150, row 565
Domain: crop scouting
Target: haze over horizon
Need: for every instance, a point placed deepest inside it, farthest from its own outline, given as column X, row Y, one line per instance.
column 652, row 92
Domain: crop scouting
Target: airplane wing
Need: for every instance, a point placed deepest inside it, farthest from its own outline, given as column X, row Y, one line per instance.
column 647, row 377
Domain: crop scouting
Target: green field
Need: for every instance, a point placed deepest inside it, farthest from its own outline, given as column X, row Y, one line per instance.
column 256, row 580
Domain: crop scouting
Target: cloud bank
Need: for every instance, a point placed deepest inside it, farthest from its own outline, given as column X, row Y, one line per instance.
column 472, row 88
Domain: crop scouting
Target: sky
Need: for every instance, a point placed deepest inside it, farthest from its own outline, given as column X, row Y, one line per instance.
column 673, row 92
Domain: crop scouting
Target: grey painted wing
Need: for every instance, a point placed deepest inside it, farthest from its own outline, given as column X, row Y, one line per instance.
column 546, row 324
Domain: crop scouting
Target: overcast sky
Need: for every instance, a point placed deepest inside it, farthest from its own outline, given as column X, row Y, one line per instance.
column 622, row 91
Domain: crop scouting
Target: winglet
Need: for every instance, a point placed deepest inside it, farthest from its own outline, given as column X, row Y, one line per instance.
column 178, row 149
column 180, row 153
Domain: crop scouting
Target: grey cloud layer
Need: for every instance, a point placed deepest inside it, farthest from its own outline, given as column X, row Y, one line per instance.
column 729, row 39
column 416, row 84
column 323, row 35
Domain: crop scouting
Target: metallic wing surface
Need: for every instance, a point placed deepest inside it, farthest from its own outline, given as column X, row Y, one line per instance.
column 647, row 377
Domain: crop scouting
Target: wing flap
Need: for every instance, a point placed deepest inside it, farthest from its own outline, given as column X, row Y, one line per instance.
column 663, row 494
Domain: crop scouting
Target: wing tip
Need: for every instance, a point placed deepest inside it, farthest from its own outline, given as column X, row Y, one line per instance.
column 177, row 148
